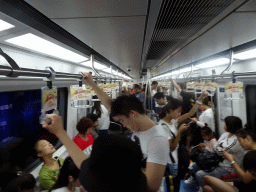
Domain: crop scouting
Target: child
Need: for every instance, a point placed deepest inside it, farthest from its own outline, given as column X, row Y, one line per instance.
column 208, row 144
column 209, row 139
column 51, row 168
column 84, row 139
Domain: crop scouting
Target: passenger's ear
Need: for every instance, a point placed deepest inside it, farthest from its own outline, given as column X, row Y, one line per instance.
column 39, row 154
column 70, row 179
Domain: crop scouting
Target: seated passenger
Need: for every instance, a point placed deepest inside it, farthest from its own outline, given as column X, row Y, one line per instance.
column 228, row 141
column 51, row 168
column 95, row 123
column 247, row 139
column 68, row 179
column 115, row 163
column 208, row 144
column 84, row 139
column 19, row 182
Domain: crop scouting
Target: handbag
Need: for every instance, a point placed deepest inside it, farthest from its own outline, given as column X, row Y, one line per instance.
column 207, row 160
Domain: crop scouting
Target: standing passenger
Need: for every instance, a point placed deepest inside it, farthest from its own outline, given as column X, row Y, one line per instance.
column 84, row 139
column 138, row 93
column 153, row 141
column 104, row 119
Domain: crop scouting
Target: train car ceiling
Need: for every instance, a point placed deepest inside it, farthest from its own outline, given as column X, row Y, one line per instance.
column 151, row 34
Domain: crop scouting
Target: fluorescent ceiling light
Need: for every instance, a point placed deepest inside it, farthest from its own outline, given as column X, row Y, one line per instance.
column 4, row 25
column 96, row 65
column 245, row 55
column 213, row 63
column 33, row 42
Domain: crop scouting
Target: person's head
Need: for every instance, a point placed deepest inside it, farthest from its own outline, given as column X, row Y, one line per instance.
column 172, row 110
column 159, row 98
column 246, row 138
column 249, row 162
column 206, row 133
column 119, row 157
column 19, row 182
column 97, row 108
column 127, row 110
column 69, row 176
column 154, row 85
column 84, row 125
column 94, row 119
column 44, row 148
column 232, row 124
column 204, row 104
column 136, row 88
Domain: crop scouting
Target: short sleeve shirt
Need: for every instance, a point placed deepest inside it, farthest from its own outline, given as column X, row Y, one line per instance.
column 48, row 177
column 82, row 144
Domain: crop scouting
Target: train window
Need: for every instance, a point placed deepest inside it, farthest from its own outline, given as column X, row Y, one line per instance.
column 250, row 92
column 20, row 128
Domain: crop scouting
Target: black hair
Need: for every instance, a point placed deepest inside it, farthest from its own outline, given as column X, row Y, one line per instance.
column 136, row 86
column 68, row 169
column 172, row 105
column 154, row 83
column 97, row 108
column 205, row 101
column 246, row 131
column 159, row 95
column 124, row 104
column 92, row 116
column 17, row 181
column 207, row 130
column 83, row 125
column 233, row 124
column 249, row 161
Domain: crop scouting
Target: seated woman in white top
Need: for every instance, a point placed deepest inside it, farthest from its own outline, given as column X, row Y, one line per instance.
column 68, row 180
column 206, row 117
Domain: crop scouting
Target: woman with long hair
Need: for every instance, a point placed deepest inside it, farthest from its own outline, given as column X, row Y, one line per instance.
column 68, row 180
column 103, row 117
column 169, row 119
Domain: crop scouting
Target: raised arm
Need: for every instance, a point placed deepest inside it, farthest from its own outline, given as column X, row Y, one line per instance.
column 104, row 98
column 194, row 109
column 56, row 127
column 176, row 86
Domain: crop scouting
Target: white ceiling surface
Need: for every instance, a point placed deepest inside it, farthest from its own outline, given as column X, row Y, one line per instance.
column 236, row 29
column 113, row 28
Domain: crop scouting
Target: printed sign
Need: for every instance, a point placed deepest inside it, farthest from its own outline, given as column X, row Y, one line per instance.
column 190, row 85
column 234, row 87
column 209, row 86
column 50, row 98
column 79, row 93
column 199, row 85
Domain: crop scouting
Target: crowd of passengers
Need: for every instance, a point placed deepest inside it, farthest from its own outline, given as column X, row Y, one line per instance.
column 102, row 162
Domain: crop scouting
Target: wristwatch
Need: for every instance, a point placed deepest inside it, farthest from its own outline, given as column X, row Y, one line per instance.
column 232, row 162
column 198, row 102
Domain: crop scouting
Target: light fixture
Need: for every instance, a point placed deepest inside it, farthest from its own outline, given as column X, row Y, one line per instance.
column 96, row 65
column 4, row 25
column 33, row 42
column 213, row 63
column 245, row 55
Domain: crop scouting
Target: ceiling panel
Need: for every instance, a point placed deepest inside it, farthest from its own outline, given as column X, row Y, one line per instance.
column 89, row 8
column 118, row 39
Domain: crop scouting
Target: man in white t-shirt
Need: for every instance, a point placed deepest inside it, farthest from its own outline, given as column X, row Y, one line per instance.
column 153, row 141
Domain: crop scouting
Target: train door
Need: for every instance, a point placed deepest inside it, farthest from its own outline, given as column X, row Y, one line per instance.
column 250, row 91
